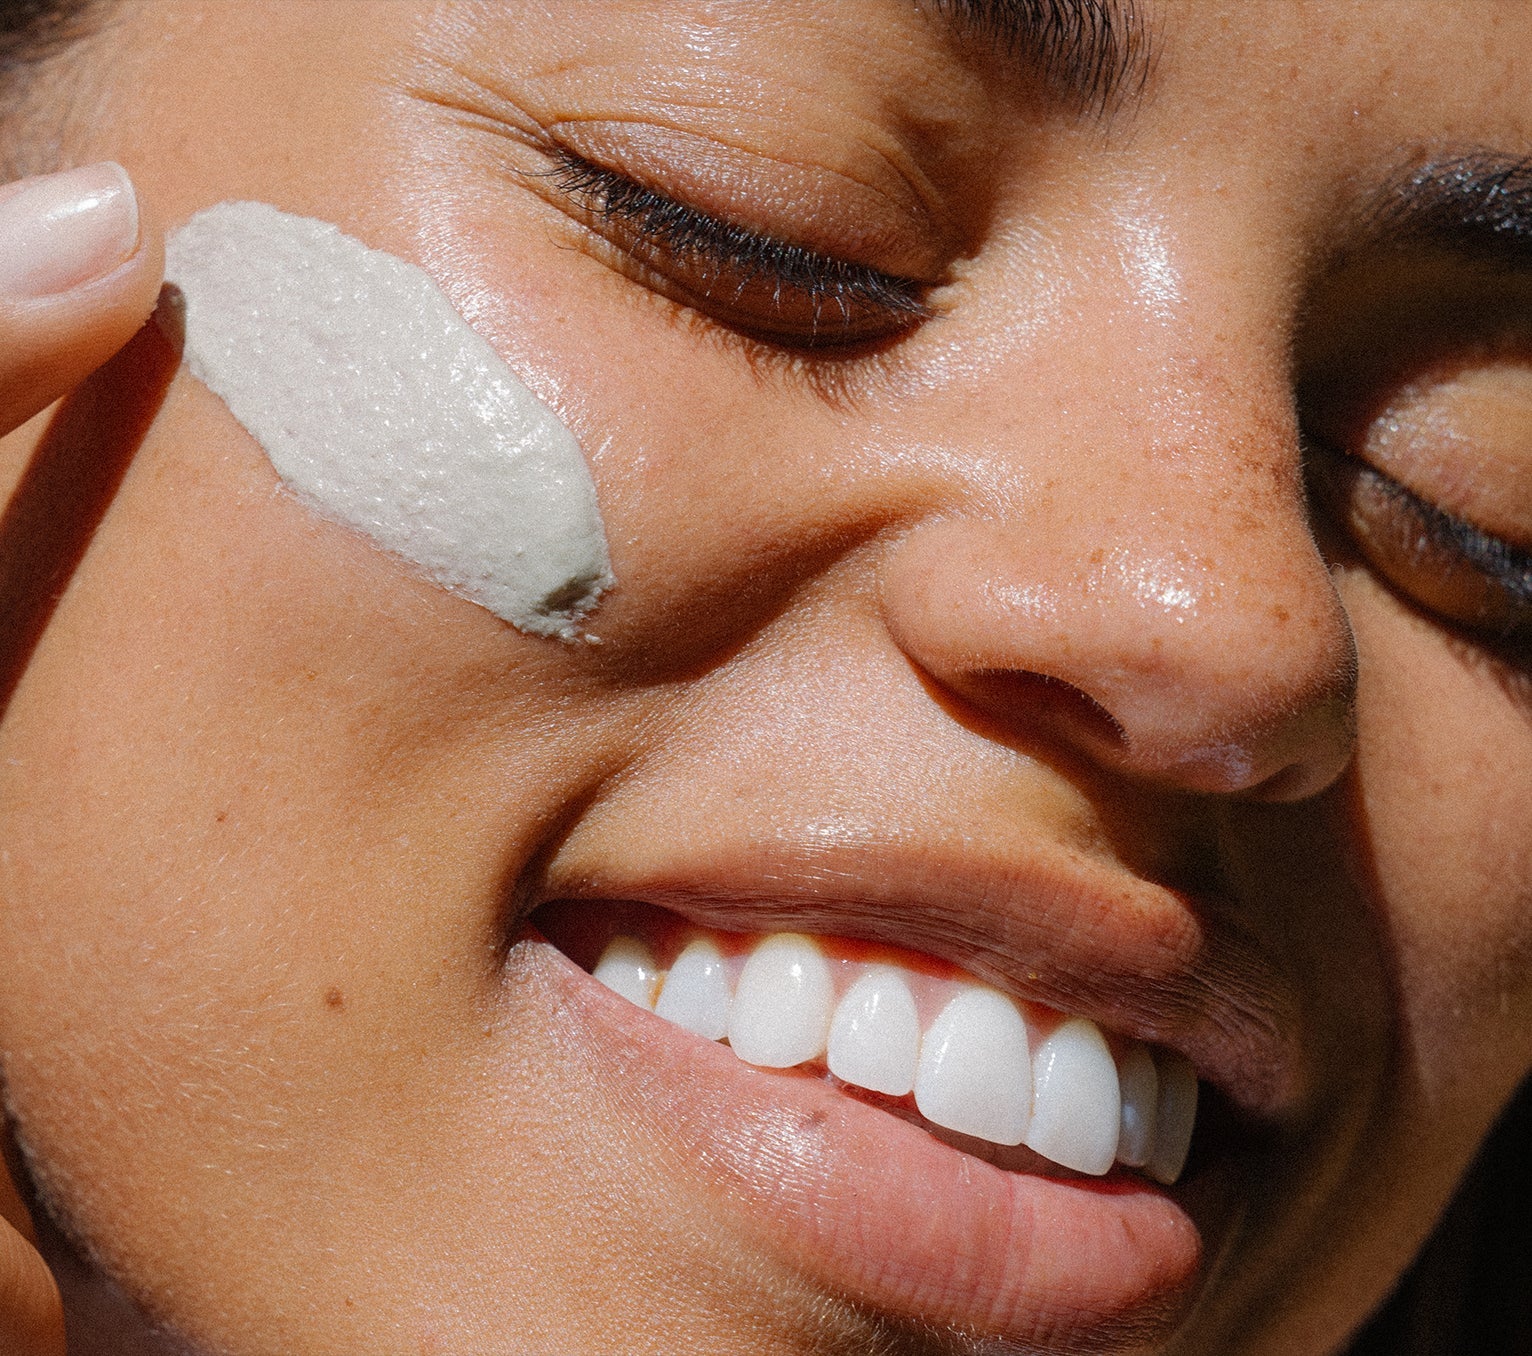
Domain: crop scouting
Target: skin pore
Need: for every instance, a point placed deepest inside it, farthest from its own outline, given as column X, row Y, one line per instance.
column 970, row 601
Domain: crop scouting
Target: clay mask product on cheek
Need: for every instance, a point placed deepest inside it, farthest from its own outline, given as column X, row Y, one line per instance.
column 381, row 408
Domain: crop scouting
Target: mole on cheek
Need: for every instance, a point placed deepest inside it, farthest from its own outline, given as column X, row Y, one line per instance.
column 383, row 410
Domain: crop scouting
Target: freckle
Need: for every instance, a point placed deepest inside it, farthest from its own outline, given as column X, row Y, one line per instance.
column 221, row 816
column 334, row 998
column 1281, row 614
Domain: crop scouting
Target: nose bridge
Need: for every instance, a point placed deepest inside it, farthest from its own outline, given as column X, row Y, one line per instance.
column 1149, row 589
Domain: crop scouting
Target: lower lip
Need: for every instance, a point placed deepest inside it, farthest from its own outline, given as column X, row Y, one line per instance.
column 878, row 1211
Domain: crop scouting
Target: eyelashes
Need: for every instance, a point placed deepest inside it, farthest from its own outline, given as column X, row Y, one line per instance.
column 1500, row 563
column 766, row 287
column 1465, row 575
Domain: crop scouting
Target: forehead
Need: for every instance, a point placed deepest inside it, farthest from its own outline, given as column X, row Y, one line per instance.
column 1308, row 95
column 1094, row 55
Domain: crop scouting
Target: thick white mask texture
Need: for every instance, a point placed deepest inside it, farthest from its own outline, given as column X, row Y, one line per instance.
column 384, row 410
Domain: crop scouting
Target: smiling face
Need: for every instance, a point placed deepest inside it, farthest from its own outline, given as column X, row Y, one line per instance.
column 969, row 618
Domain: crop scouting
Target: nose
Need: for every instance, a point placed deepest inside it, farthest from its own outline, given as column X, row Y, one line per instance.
column 1166, row 616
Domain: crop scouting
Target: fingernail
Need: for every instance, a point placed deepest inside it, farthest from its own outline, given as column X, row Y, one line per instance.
column 63, row 230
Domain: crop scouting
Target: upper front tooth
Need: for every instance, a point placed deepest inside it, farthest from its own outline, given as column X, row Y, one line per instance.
column 875, row 1034
column 1174, row 1118
column 973, row 1071
column 781, row 1006
column 1075, row 1102
column 974, row 1075
column 627, row 967
column 1140, row 1086
column 696, row 991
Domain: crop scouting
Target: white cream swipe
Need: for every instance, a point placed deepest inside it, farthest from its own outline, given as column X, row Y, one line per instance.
column 383, row 410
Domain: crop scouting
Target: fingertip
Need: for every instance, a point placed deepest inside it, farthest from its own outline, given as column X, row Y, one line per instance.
column 81, row 263
column 119, row 283
column 60, row 232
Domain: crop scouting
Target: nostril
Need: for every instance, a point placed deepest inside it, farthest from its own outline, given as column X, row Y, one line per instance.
column 1293, row 782
column 1242, row 694
column 1288, row 760
column 1319, row 745
column 1042, row 701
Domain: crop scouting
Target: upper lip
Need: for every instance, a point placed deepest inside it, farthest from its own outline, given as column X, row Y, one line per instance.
column 1046, row 923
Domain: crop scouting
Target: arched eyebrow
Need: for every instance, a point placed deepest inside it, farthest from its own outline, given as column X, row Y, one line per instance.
column 1476, row 204
column 1093, row 53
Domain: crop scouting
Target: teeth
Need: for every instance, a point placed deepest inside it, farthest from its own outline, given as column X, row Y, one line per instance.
column 1140, row 1086
column 1076, row 1108
column 875, row 1034
column 696, row 992
column 974, row 1075
column 781, row 1011
column 975, row 1070
column 627, row 967
column 1175, row 1116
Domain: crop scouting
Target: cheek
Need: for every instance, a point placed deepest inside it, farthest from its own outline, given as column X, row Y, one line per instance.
column 1445, row 753
column 228, row 669
column 264, row 796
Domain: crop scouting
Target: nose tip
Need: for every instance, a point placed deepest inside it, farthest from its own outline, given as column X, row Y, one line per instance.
column 1201, row 672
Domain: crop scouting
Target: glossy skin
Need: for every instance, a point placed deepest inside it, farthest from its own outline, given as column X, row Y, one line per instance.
column 274, row 808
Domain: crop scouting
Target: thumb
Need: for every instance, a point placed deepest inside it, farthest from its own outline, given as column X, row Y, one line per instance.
column 79, row 273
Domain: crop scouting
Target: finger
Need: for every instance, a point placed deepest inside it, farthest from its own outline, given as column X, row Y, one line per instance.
column 79, row 272
column 31, row 1313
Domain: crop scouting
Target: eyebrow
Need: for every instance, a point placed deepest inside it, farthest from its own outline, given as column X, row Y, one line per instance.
column 1093, row 52
column 1477, row 204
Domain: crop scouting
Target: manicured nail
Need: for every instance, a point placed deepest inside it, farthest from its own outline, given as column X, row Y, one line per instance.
column 65, row 229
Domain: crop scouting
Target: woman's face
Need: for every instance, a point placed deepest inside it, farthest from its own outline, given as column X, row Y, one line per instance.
column 997, row 632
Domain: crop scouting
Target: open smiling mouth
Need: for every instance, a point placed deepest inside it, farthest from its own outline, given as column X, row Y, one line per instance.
column 1022, row 1086
column 955, row 1087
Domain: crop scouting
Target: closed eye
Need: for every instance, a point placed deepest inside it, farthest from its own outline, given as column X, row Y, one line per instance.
column 765, row 287
column 1466, row 575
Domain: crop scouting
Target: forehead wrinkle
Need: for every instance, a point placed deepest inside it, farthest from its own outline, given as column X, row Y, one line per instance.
column 1093, row 51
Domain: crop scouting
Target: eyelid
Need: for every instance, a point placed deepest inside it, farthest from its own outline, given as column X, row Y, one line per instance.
column 1459, row 436
column 856, row 195
column 1426, row 552
column 1490, row 555
column 665, row 229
